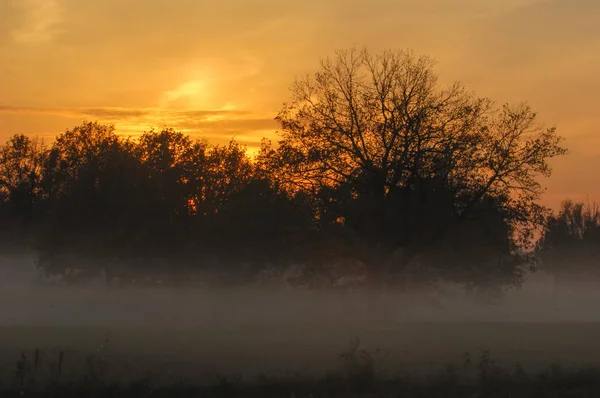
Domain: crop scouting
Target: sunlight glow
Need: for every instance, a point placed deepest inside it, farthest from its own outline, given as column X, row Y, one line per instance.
column 191, row 94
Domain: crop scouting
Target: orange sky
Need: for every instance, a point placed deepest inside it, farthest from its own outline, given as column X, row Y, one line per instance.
column 218, row 68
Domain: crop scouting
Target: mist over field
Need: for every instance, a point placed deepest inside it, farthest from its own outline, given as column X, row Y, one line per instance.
column 29, row 298
column 273, row 328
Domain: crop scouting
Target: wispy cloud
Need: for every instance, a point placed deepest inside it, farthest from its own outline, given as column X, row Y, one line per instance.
column 40, row 23
column 117, row 114
column 217, row 125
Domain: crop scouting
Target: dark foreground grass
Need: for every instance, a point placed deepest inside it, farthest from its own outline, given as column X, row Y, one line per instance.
column 357, row 376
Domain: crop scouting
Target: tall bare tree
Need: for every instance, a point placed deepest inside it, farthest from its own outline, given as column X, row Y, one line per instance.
column 384, row 128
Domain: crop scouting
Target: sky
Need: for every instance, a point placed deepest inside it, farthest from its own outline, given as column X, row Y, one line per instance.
column 223, row 68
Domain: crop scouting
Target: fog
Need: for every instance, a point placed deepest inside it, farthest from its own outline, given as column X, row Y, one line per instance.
column 270, row 327
column 27, row 298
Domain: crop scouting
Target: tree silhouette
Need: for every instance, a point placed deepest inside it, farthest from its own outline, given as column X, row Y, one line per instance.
column 174, row 166
column 381, row 133
column 88, row 177
column 570, row 243
column 156, row 205
column 21, row 160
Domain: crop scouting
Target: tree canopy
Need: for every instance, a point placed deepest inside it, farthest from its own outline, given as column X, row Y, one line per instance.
column 404, row 160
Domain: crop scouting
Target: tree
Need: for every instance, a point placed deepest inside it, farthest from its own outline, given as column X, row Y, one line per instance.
column 92, row 184
column 21, row 160
column 569, row 248
column 570, row 242
column 176, row 171
column 230, row 183
column 383, row 131
column 230, row 169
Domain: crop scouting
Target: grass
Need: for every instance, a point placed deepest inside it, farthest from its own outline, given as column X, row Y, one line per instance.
column 358, row 374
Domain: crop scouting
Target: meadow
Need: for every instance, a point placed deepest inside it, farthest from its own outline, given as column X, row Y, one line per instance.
column 283, row 336
column 424, row 359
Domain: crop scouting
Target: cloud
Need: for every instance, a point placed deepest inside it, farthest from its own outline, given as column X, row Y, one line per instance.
column 122, row 113
column 233, row 126
column 40, row 23
column 217, row 125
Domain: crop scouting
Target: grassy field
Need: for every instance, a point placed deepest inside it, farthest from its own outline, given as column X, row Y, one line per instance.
column 254, row 350
column 269, row 331
column 202, row 335
column 271, row 362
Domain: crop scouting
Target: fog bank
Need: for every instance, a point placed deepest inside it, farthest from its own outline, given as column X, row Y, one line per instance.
column 27, row 299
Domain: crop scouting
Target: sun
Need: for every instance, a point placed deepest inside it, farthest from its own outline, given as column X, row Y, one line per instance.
column 193, row 94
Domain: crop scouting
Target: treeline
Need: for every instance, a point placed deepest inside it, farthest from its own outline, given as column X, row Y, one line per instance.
column 375, row 162
column 104, row 197
column 569, row 247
